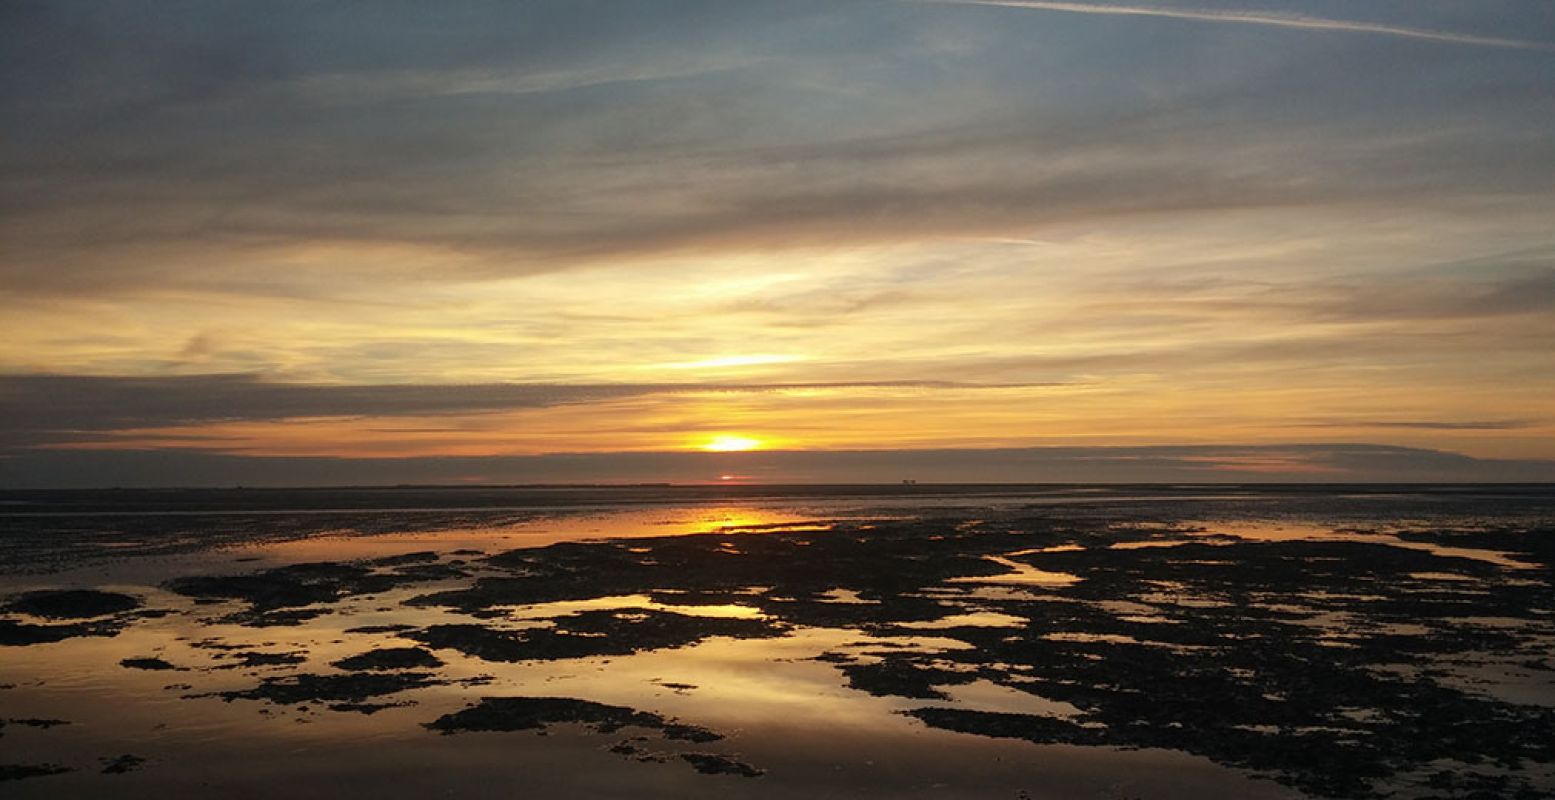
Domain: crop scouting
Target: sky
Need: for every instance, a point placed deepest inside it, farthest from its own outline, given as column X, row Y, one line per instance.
column 852, row 240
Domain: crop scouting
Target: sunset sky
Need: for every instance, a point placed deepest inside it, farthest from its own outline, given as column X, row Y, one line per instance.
column 298, row 242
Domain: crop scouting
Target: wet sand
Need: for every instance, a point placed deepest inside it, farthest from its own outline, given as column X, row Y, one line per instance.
column 1087, row 642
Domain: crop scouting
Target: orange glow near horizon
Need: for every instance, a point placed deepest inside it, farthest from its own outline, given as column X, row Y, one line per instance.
column 731, row 250
column 1139, row 411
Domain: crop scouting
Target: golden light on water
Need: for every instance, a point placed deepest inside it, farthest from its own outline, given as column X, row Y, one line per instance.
column 731, row 444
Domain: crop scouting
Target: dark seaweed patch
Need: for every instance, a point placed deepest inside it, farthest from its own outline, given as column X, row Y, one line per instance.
column 1536, row 545
column 34, row 722
column 122, row 764
column 286, row 587
column 901, row 677
column 31, row 722
column 273, row 618
column 71, row 604
column 352, row 688
column 416, row 573
column 256, row 659
column 148, row 663
column 422, row 557
column 381, row 629
column 390, row 658
column 16, row 772
column 100, row 614
column 368, row 708
column 17, row 634
column 591, row 633
column 636, row 749
column 537, row 713
column 713, row 764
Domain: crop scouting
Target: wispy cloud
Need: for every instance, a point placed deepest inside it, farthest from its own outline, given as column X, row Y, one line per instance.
column 1424, row 424
column 1302, row 21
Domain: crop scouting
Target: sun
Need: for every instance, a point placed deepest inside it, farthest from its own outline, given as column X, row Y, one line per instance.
column 731, row 444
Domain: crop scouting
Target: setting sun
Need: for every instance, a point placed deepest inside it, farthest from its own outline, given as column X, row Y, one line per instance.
column 730, row 444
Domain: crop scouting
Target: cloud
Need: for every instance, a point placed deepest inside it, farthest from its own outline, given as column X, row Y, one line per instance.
column 40, row 409
column 478, row 145
column 1196, row 464
column 1424, row 424
column 1219, row 225
column 1299, row 21
column 1496, row 286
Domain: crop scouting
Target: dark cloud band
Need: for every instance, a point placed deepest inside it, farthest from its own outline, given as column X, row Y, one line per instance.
column 38, row 409
column 1320, row 463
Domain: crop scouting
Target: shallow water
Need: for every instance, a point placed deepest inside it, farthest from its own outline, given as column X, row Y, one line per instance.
column 1083, row 642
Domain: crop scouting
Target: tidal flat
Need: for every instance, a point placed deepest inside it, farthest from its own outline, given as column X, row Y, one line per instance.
column 773, row 642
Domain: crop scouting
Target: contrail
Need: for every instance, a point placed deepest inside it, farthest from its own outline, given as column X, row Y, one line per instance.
column 1267, row 18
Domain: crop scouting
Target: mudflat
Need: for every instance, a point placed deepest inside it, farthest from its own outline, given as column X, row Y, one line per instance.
column 1104, row 642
